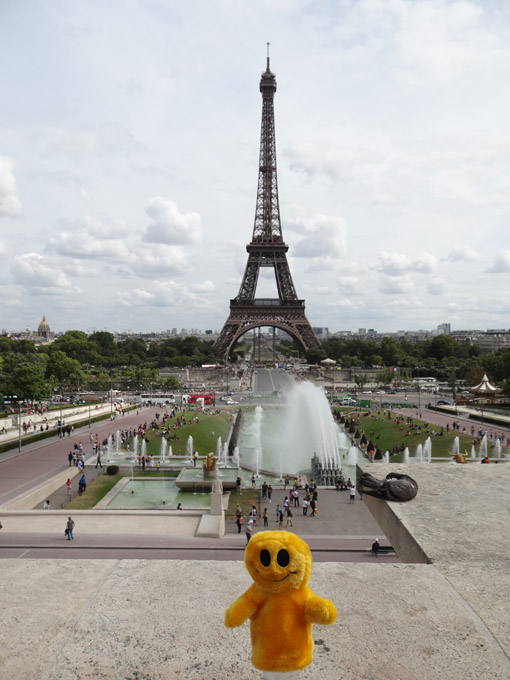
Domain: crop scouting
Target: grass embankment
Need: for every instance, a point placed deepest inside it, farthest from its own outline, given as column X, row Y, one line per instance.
column 205, row 433
column 248, row 498
column 100, row 486
column 387, row 433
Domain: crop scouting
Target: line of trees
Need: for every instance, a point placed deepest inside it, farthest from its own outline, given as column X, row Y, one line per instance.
column 94, row 362
column 441, row 357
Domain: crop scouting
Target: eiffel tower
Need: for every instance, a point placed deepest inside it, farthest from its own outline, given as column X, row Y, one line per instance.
column 267, row 249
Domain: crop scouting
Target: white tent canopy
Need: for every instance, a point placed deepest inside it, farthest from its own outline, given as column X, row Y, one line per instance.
column 328, row 362
column 485, row 386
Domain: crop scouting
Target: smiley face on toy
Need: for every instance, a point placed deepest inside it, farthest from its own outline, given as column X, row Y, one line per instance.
column 281, row 607
column 278, row 561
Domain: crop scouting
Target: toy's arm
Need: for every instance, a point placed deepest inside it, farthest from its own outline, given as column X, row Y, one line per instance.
column 240, row 610
column 320, row 610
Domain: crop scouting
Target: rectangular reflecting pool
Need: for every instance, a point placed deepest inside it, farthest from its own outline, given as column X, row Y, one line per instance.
column 156, row 493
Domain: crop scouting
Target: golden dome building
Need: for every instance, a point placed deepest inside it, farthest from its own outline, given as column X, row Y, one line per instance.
column 43, row 330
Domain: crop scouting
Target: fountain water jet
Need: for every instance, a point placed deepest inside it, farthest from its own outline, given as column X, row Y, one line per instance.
column 235, row 457
column 283, row 439
column 427, row 451
column 352, row 456
column 225, row 454
column 189, row 448
column 483, row 447
column 406, row 455
column 456, row 446
column 497, row 449
column 419, row 453
column 163, row 449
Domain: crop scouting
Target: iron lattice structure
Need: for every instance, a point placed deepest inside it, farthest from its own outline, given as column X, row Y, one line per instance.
column 267, row 249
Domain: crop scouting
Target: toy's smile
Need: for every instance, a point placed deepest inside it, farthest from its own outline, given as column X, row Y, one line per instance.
column 283, row 579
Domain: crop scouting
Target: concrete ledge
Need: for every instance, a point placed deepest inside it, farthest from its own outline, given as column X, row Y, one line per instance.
column 136, row 618
column 211, row 526
column 39, row 493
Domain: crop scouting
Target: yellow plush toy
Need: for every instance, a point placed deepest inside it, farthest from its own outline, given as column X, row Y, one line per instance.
column 281, row 606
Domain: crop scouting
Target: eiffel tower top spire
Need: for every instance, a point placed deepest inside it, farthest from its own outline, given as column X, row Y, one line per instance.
column 267, row 227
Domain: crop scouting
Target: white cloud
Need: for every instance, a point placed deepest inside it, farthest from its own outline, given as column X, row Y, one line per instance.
column 501, row 264
column 437, row 286
column 325, row 235
column 425, row 263
column 135, row 297
column 350, row 285
column 393, row 285
column 170, row 260
column 169, row 225
column 396, row 264
column 40, row 277
column 203, row 288
column 462, row 253
column 82, row 244
column 10, row 205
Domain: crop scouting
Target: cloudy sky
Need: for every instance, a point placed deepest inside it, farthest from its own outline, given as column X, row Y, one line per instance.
column 129, row 139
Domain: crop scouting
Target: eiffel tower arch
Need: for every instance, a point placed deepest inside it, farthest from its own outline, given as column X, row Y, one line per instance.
column 267, row 249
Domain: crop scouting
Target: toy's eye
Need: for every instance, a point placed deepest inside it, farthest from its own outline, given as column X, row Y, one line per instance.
column 283, row 558
column 265, row 557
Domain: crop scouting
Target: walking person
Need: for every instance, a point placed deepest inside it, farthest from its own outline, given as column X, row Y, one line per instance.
column 289, row 518
column 46, row 505
column 265, row 516
column 69, row 529
column 239, row 519
column 269, row 492
column 68, row 484
column 312, row 507
column 70, row 458
column 352, row 495
column 280, row 519
column 98, row 459
column 254, row 514
column 278, row 510
column 305, row 507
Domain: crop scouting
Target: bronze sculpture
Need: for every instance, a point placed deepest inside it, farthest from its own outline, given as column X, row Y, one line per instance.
column 395, row 486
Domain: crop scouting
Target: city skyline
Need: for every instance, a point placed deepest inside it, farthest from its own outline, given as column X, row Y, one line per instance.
column 129, row 160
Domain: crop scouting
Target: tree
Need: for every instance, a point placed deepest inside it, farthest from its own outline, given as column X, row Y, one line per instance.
column 385, row 376
column 360, row 380
column 61, row 370
column 23, row 376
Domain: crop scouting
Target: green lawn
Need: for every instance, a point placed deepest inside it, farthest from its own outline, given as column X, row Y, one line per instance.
column 96, row 490
column 387, row 434
column 205, row 433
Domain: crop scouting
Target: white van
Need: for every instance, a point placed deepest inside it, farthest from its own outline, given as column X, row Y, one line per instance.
column 347, row 401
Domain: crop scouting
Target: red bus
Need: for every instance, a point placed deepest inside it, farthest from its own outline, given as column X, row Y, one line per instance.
column 209, row 399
